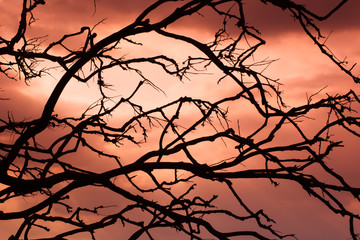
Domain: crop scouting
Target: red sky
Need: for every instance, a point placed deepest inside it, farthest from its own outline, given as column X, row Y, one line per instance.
column 302, row 69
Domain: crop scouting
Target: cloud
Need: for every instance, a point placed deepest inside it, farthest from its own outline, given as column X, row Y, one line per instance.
column 302, row 68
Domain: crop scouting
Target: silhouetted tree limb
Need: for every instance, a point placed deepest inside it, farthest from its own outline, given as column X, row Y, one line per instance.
column 48, row 169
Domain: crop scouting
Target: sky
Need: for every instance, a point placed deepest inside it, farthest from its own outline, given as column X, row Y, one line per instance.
column 299, row 65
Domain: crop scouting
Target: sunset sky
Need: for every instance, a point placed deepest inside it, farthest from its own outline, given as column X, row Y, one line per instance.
column 302, row 69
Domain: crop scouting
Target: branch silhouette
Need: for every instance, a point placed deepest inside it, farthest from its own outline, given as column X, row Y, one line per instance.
column 49, row 169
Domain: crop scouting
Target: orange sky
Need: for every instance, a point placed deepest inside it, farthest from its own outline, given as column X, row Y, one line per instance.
column 300, row 66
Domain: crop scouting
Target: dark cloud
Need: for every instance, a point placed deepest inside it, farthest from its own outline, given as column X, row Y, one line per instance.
column 272, row 20
column 58, row 17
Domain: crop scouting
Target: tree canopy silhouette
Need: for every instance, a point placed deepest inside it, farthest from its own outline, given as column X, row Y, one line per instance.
column 182, row 156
